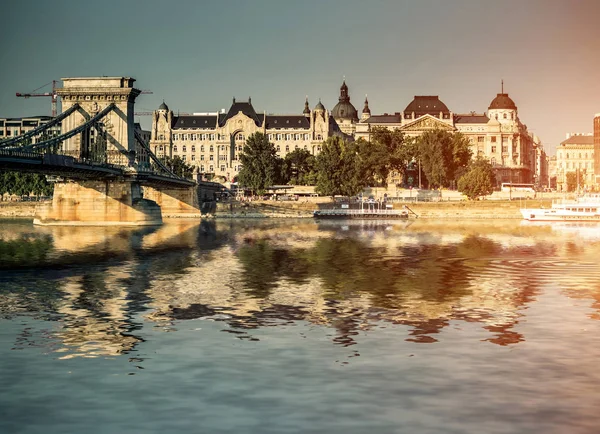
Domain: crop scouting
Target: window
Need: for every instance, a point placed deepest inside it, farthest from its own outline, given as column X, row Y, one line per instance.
column 184, row 137
column 211, row 168
column 183, row 157
column 505, row 116
column 212, row 137
column 193, row 158
column 201, row 157
column 211, row 149
column 318, row 149
column 493, row 139
column 493, row 149
column 222, row 168
column 288, row 137
column 493, row 161
column 480, row 139
column 567, row 157
column 504, row 148
column 212, row 157
column 504, row 139
column 175, row 136
column 204, row 137
column 240, row 136
column 270, row 136
column 319, row 137
column 175, row 148
column 287, row 148
column 278, row 148
column 193, row 148
column 306, row 137
column 222, row 147
column 202, row 168
column 184, row 148
column 201, row 148
column 194, row 137
column 278, row 136
column 297, row 137
column 160, row 148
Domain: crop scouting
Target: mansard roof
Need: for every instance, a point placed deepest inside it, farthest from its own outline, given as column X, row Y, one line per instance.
column 471, row 118
column 190, row 121
column 384, row 119
column 287, row 121
column 243, row 106
column 578, row 139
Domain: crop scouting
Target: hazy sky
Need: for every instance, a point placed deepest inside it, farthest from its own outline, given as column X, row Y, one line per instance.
column 198, row 54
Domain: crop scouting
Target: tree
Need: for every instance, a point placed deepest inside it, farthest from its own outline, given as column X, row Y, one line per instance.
column 478, row 181
column 261, row 167
column 572, row 180
column 389, row 150
column 178, row 166
column 339, row 168
column 443, row 155
column 300, row 167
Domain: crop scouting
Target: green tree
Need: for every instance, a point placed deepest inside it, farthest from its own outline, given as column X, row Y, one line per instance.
column 300, row 167
column 261, row 167
column 178, row 166
column 339, row 168
column 572, row 180
column 478, row 181
column 390, row 151
column 443, row 155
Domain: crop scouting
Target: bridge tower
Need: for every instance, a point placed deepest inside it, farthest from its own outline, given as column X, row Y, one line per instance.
column 93, row 94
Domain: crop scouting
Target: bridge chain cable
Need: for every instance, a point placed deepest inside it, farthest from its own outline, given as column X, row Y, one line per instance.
column 69, row 134
column 41, row 128
column 154, row 158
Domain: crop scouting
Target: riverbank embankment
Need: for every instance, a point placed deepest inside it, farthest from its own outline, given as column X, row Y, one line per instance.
column 304, row 209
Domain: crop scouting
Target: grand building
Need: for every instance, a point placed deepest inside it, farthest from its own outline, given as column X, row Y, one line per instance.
column 212, row 141
column 498, row 135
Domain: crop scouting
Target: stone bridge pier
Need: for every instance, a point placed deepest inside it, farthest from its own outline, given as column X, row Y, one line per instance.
column 98, row 203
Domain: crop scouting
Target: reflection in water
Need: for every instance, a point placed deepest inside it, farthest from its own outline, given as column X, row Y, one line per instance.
column 293, row 326
column 350, row 277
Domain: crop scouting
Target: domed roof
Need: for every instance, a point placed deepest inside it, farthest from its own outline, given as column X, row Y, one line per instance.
column 502, row 101
column 344, row 108
column 320, row 106
column 426, row 104
column 163, row 106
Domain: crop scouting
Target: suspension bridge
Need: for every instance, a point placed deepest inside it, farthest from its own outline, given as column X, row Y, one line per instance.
column 106, row 172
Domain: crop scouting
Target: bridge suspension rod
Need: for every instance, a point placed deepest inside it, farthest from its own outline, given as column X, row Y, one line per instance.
column 41, row 128
column 69, row 134
column 154, row 158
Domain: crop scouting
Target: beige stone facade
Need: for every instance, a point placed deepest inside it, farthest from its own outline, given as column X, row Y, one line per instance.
column 212, row 142
column 497, row 135
column 575, row 154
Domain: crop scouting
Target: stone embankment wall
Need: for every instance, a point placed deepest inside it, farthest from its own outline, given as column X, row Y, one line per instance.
column 17, row 209
column 444, row 210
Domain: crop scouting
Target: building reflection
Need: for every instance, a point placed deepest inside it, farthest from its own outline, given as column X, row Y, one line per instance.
column 418, row 278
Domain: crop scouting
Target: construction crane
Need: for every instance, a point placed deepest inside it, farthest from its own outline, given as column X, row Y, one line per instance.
column 54, row 95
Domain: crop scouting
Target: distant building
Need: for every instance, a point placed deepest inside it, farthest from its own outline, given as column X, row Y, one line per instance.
column 597, row 148
column 498, row 135
column 12, row 127
column 575, row 154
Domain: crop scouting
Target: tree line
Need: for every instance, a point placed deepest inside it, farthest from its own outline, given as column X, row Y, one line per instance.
column 436, row 159
column 24, row 184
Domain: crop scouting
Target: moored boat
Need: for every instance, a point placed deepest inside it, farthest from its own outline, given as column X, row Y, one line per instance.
column 583, row 209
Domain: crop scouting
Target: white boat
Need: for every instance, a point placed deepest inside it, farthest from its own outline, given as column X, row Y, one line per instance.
column 583, row 209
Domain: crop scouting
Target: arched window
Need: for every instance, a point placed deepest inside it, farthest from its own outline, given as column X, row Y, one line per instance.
column 287, row 148
column 505, row 116
column 222, row 147
column 184, row 148
column 278, row 148
column 211, row 149
column 193, row 148
column 175, row 148
column 201, row 148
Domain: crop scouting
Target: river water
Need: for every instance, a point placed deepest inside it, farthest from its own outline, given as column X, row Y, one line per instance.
column 298, row 327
